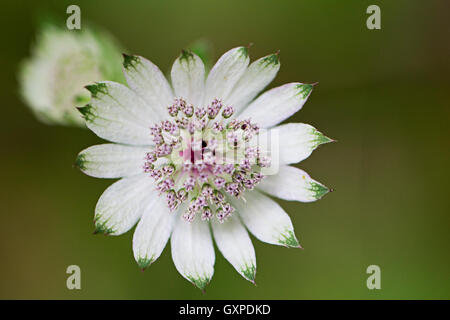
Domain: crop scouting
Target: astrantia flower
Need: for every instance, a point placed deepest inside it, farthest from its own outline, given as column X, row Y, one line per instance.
column 200, row 153
column 62, row 62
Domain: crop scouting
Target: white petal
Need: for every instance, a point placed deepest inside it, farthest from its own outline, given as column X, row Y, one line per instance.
column 234, row 242
column 293, row 142
column 123, row 203
column 265, row 219
column 225, row 74
column 152, row 233
column 112, row 160
column 293, row 184
column 117, row 114
column 188, row 78
column 149, row 82
column 193, row 251
column 257, row 76
column 277, row 104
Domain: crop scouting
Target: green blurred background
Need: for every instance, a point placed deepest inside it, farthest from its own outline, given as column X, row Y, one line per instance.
column 383, row 94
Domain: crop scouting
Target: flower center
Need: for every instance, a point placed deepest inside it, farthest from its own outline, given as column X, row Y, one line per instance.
column 202, row 158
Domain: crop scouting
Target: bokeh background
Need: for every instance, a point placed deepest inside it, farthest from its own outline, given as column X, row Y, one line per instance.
column 383, row 94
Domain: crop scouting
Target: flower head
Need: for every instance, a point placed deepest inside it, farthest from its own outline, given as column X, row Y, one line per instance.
column 62, row 62
column 199, row 153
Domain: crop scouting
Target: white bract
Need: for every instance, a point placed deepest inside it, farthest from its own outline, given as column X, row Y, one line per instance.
column 62, row 62
column 193, row 158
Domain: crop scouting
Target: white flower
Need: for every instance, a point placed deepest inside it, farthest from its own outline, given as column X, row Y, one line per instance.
column 187, row 157
column 62, row 62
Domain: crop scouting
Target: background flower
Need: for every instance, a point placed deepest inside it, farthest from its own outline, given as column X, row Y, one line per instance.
column 62, row 62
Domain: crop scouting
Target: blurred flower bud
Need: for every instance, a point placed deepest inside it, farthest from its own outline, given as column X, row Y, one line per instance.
column 52, row 80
